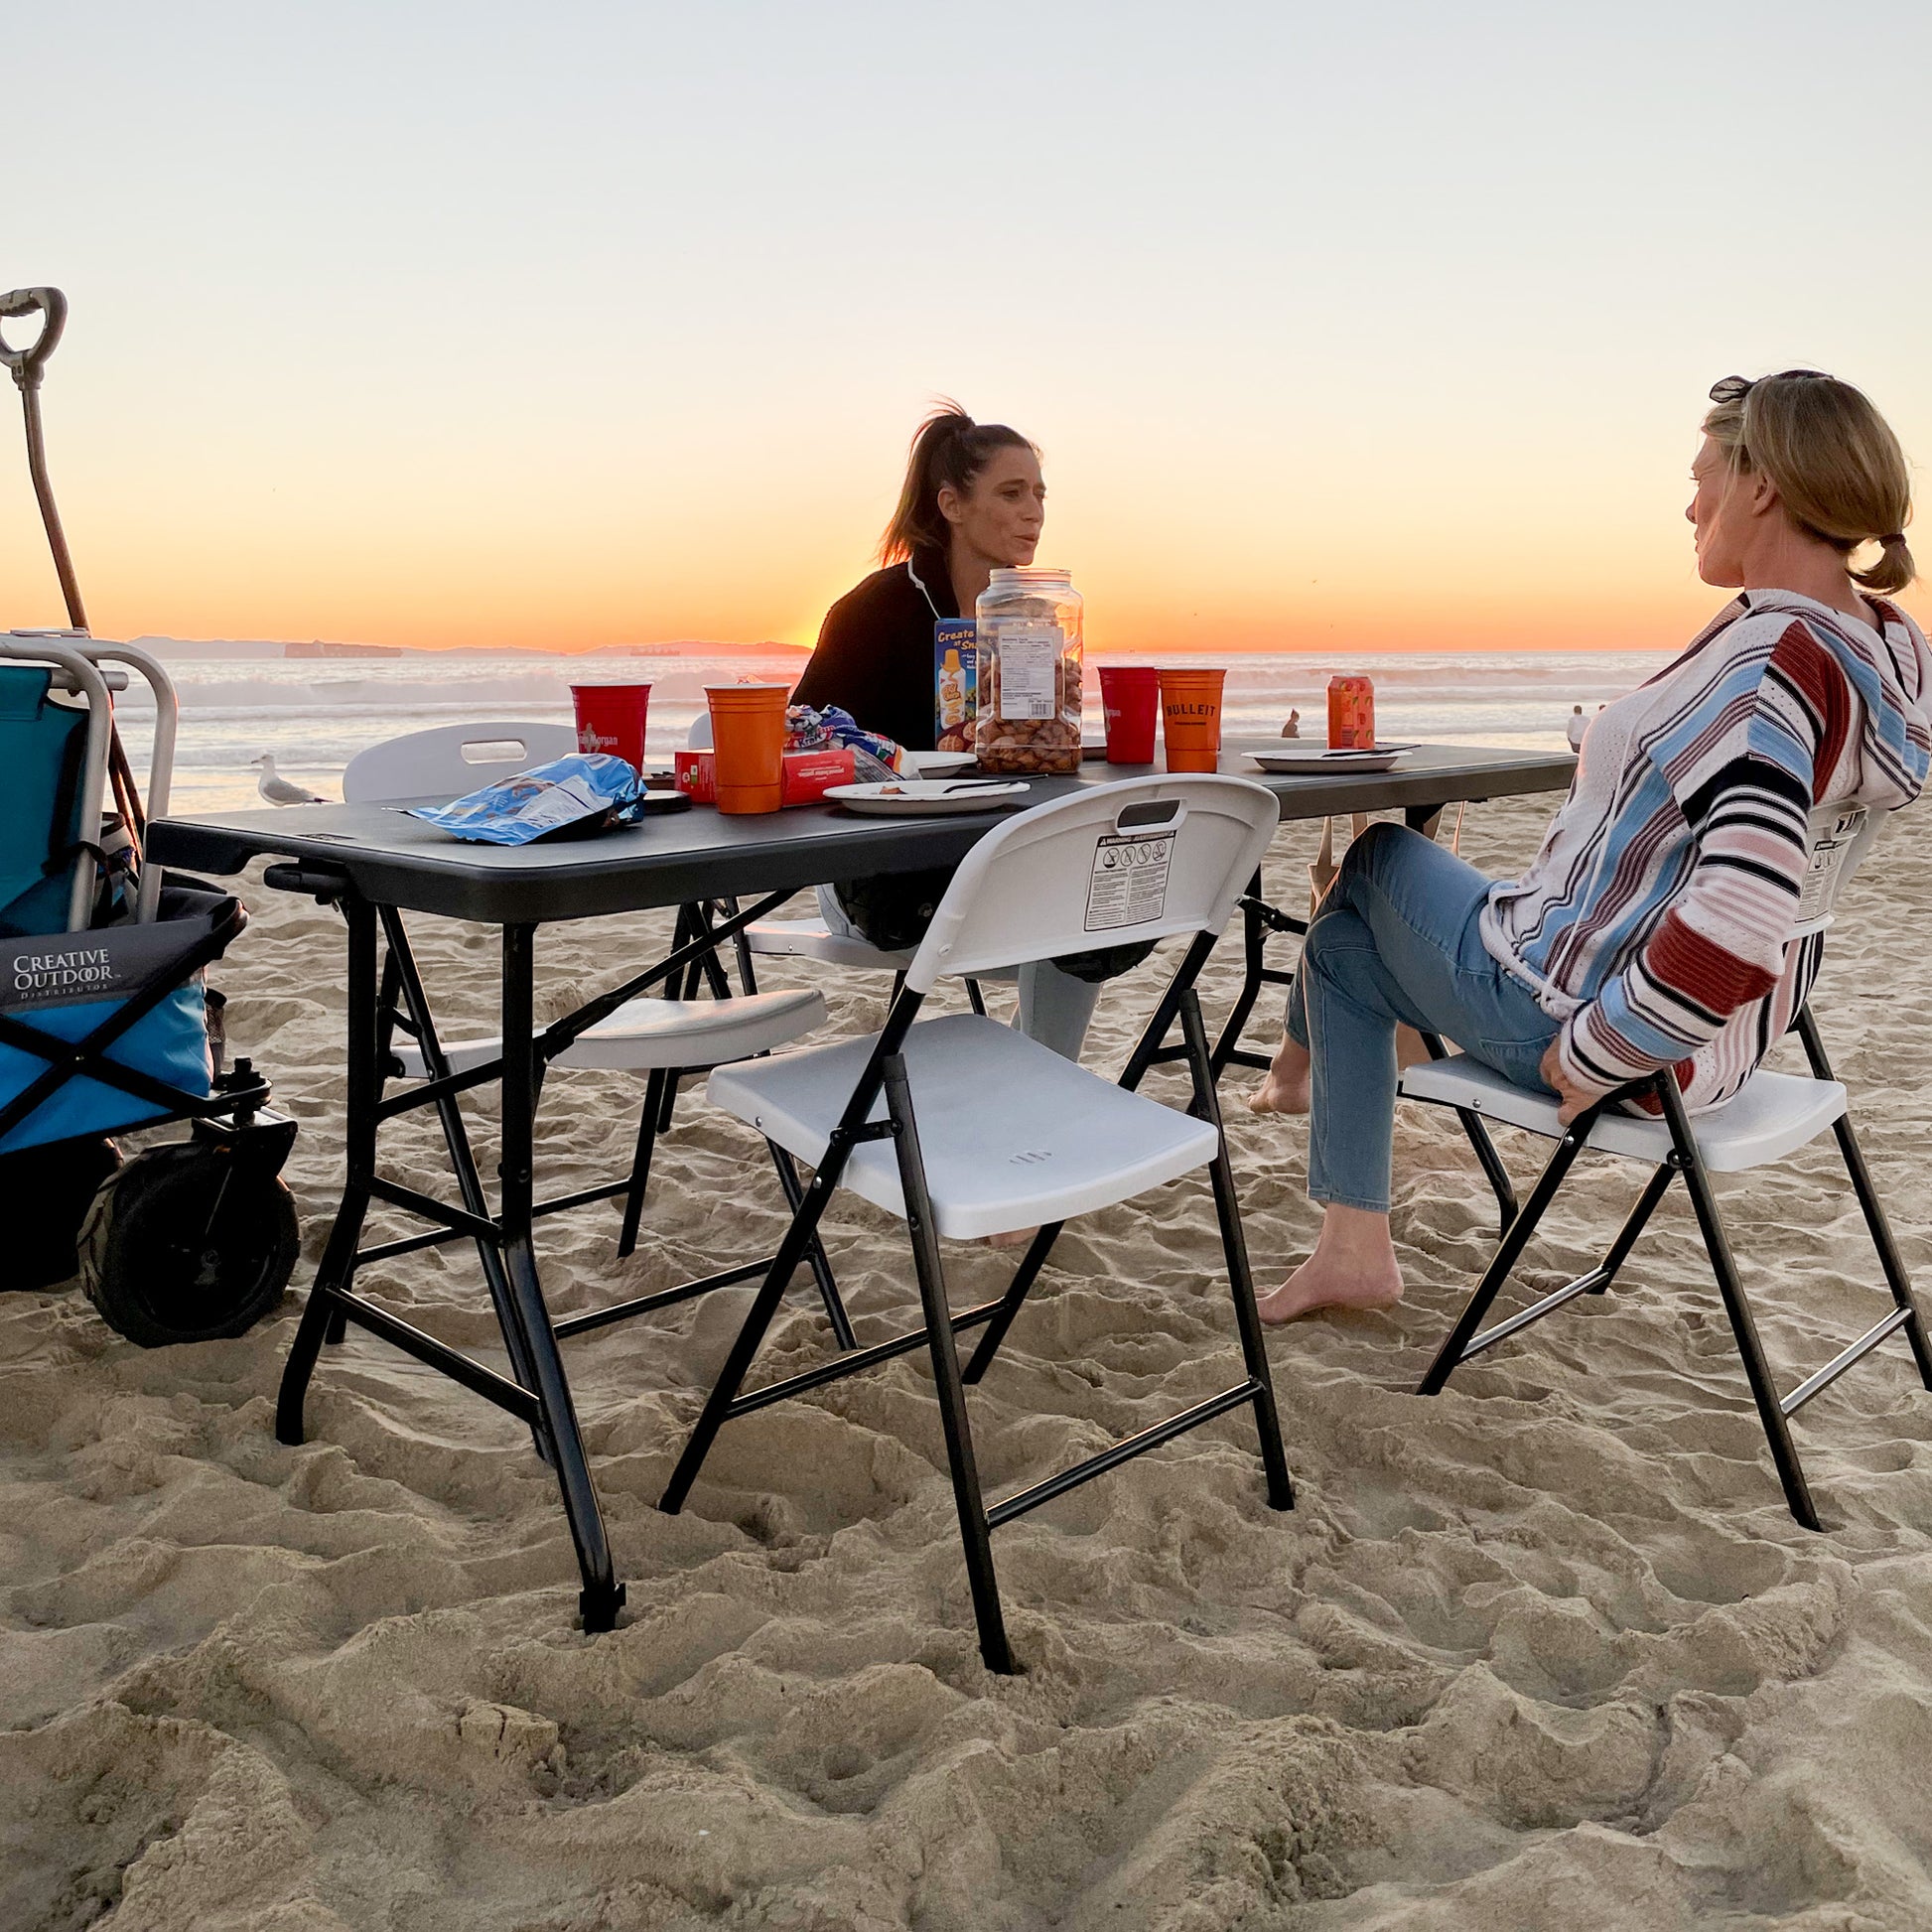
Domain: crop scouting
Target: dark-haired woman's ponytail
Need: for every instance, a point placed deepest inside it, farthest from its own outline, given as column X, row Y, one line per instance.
column 948, row 448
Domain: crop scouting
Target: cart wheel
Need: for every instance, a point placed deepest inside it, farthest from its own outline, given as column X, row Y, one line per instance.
column 188, row 1244
column 57, row 1185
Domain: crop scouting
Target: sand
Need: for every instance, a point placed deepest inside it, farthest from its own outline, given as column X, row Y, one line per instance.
column 1543, row 1652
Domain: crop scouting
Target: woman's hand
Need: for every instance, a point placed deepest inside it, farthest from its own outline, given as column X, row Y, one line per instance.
column 1574, row 1098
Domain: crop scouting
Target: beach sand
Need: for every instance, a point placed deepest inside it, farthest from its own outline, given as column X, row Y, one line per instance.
column 1547, row 1651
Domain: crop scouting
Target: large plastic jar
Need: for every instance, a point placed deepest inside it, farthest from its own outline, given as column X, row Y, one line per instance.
column 1031, row 639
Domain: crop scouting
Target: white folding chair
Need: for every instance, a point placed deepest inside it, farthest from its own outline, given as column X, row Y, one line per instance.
column 658, row 1038
column 1770, row 1116
column 962, row 1126
column 451, row 761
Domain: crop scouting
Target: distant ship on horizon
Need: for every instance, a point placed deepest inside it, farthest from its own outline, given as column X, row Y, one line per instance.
column 315, row 647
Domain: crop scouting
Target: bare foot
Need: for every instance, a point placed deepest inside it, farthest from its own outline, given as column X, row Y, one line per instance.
column 1284, row 1087
column 1012, row 1238
column 1353, row 1267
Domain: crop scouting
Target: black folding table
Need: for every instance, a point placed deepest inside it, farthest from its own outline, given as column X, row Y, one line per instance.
column 376, row 864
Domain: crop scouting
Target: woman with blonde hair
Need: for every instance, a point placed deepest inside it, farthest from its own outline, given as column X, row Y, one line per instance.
column 1651, row 930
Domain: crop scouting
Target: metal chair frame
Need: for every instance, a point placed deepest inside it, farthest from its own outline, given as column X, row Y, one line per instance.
column 1468, row 1338
column 886, row 1073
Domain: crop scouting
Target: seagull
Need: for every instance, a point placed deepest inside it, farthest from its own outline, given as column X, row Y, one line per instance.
column 278, row 792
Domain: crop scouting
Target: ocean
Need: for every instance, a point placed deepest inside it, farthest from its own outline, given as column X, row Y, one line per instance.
column 315, row 715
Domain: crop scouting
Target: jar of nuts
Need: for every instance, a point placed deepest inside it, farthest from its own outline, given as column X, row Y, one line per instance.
column 1031, row 630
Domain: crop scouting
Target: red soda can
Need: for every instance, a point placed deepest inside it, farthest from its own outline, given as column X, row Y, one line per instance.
column 1352, row 714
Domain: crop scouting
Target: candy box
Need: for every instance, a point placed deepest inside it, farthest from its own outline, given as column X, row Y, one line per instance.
column 955, row 664
column 808, row 776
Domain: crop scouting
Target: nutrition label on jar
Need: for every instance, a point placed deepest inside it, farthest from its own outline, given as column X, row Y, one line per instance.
column 1030, row 668
column 1130, row 880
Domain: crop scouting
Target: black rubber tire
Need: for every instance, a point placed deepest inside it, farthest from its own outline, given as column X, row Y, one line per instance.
column 51, row 1189
column 168, row 1255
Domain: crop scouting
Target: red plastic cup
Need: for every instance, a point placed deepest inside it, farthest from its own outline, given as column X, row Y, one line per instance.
column 611, row 717
column 1130, row 693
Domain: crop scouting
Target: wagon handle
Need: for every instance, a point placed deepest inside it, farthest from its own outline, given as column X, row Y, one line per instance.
column 27, row 363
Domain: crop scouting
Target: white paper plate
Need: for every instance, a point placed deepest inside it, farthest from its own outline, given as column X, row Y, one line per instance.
column 1315, row 758
column 928, row 798
column 941, row 765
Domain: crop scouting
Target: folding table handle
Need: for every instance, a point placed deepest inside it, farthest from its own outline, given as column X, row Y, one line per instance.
column 52, row 305
column 297, row 875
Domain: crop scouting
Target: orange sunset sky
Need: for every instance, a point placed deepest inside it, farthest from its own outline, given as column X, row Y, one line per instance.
column 479, row 325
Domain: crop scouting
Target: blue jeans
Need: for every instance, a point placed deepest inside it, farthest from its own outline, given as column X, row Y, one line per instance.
column 1396, row 941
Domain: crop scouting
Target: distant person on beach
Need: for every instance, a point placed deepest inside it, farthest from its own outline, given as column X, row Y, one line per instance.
column 1577, row 727
column 1652, row 929
column 1293, row 728
column 972, row 502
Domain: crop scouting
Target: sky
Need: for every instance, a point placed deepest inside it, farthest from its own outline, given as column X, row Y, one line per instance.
column 1377, row 326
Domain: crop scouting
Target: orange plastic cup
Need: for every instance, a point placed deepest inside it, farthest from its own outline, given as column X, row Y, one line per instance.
column 747, row 734
column 1190, row 717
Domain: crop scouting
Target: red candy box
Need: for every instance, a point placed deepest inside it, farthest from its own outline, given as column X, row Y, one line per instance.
column 808, row 776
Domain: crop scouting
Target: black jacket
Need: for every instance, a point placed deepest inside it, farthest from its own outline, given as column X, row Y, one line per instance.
column 875, row 650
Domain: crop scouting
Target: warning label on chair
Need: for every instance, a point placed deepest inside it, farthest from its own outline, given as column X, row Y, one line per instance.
column 1130, row 880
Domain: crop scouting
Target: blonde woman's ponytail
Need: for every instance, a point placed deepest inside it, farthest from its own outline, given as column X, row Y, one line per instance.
column 1892, row 570
column 1834, row 463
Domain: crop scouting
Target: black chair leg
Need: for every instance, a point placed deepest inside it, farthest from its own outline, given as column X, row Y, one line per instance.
column 765, row 1304
column 1511, row 1246
column 1717, row 1246
column 974, row 1531
column 1234, row 1245
column 1490, row 1161
column 1634, row 1223
column 1031, row 1263
column 1889, row 1259
column 975, row 998
column 633, row 1200
column 742, row 946
column 815, row 1256
column 1253, row 933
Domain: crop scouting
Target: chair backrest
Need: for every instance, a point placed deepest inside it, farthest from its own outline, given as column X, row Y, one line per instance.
column 698, row 738
column 53, row 780
column 451, row 761
column 1113, row 866
column 1840, row 838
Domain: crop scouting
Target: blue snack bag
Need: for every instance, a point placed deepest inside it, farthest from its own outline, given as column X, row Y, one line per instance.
column 573, row 795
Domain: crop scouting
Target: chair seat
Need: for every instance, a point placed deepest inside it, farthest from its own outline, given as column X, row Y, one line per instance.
column 1014, row 1136
column 1768, row 1116
column 815, row 939
column 644, row 1035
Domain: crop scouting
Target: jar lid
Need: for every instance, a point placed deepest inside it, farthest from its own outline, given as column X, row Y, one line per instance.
column 1032, row 573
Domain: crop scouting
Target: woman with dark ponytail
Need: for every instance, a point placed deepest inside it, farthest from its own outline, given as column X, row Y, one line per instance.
column 972, row 504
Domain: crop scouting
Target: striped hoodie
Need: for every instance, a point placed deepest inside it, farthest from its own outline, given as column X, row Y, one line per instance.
column 1654, row 922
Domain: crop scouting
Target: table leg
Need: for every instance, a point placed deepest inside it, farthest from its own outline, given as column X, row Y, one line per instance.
column 322, row 1317
column 601, row 1595
column 400, row 973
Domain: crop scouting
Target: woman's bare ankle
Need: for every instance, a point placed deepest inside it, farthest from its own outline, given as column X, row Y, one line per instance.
column 1284, row 1088
column 1353, row 1267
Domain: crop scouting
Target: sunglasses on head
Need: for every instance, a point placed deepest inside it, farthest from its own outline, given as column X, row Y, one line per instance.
column 1734, row 388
